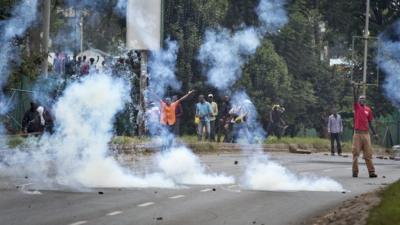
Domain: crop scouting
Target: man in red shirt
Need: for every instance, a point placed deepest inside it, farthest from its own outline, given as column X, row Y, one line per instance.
column 361, row 140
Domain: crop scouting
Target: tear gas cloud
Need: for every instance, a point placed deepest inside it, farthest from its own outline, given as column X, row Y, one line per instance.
column 223, row 55
column 22, row 16
column 264, row 174
column 223, row 52
column 162, row 69
column 77, row 155
column 181, row 165
column 388, row 59
column 176, row 161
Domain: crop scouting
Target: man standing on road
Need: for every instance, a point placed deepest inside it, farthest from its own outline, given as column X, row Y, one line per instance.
column 213, row 117
column 277, row 124
column 361, row 139
column 203, row 112
column 335, row 128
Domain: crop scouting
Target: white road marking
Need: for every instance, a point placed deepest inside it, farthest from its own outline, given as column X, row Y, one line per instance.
column 206, row 190
column 233, row 186
column 328, row 170
column 114, row 213
column 79, row 222
column 176, row 197
column 146, row 204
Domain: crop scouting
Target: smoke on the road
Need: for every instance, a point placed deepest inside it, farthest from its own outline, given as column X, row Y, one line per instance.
column 181, row 165
column 264, row 174
column 77, row 154
column 176, row 161
column 223, row 55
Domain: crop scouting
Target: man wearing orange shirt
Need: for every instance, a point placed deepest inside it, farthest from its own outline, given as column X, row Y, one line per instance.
column 168, row 111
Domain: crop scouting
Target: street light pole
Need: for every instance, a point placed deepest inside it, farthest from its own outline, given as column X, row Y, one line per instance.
column 366, row 37
column 46, row 36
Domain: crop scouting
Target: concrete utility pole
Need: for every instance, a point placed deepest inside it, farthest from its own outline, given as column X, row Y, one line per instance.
column 46, row 36
column 366, row 37
column 81, row 30
column 142, row 92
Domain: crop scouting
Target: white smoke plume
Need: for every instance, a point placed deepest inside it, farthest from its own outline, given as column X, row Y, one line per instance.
column 176, row 161
column 181, row 165
column 162, row 69
column 388, row 59
column 264, row 174
column 77, row 155
column 223, row 55
column 22, row 17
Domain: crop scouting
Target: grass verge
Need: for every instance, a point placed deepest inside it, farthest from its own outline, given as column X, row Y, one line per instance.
column 388, row 211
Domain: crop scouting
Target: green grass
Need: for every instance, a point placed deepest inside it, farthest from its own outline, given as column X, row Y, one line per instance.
column 388, row 211
column 15, row 141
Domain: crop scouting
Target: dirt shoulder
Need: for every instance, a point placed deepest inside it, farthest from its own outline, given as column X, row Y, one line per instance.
column 354, row 211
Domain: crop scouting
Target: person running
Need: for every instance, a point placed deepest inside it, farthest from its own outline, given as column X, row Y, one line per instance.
column 203, row 112
column 361, row 139
column 213, row 117
column 335, row 128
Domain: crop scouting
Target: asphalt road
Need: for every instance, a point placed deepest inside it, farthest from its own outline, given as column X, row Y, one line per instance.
column 194, row 205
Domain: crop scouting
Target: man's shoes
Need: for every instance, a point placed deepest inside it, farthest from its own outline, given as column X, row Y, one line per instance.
column 355, row 174
column 373, row 175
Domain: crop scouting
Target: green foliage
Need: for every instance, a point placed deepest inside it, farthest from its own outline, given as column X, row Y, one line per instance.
column 287, row 68
column 388, row 211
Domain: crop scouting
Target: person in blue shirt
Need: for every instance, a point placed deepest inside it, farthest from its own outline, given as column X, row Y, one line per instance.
column 203, row 112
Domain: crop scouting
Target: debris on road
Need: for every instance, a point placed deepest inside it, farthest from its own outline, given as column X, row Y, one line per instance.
column 101, row 193
column 236, row 162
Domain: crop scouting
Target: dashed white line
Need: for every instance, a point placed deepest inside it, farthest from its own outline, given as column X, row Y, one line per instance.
column 233, row 186
column 176, row 197
column 79, row 222
column 328, row 170
column 146, row 204
column 114, row 213
column 206, row 190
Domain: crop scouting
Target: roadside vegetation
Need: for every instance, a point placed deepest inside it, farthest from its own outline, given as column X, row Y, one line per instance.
column 388, row 211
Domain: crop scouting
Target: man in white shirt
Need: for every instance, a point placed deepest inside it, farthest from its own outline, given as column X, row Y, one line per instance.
column 335, row 128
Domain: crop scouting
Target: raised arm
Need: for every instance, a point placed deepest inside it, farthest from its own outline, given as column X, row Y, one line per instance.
column 356, row 88
column 153, row 95
column 186, row 96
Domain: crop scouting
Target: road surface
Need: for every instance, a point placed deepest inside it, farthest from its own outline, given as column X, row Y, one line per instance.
column 195, row 205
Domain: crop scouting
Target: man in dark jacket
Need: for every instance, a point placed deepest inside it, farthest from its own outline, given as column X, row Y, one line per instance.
column 37, row 120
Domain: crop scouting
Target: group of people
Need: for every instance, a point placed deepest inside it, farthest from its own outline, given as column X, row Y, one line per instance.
column 79, row 65
column 222, row 122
